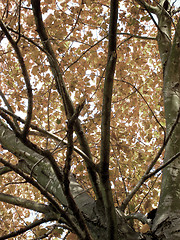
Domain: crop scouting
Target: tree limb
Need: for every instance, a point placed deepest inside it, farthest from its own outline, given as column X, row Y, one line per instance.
column 25, row 229
column 147, row 173
column 60, row 85
column 26, row 78
column 105, row 123
column 38, row 207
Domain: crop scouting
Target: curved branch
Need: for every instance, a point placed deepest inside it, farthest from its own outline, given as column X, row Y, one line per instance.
column 60, row 141
column 26, row 78
column 145, row 103
column 147, row 173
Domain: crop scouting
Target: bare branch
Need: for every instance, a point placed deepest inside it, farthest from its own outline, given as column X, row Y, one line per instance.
column 19, row 21
column 66, row 182
column 147, row 6
column 164, row 165
column 51, row 199
column 33, row 182
column 87, row 50
column 79, row 13
column 9, row 121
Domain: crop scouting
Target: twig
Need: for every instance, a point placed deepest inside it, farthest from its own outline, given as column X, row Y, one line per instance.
column 79, row 13
column 137, row 36
column 87, row 50
column 10, row 109
column 146, row 104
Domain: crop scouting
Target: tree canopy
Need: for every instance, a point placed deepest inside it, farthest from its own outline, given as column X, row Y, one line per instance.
column 89, row 118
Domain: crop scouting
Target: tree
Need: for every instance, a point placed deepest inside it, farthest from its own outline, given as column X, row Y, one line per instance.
column 83, row 118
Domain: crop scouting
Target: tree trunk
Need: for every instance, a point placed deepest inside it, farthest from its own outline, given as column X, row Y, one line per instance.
column 167, row 222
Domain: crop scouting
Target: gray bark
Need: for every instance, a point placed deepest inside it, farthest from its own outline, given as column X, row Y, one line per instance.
column 39, row 167
column 167, row 224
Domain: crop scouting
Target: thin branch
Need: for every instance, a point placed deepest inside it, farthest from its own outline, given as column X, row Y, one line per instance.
column 164, row 165
column 79, row 13
column 25, row 229
column 145, row 103
column 33, row 182
column 87, row 50
column 147, row 173
column 145, row 5
column 26, row 78
column 60, row 141
column 71, row 202
column 19, row 22
column 151, row 9
column 137, row 36
column 9, row 121
column 139, row 216
column 38, row 207
column 28, row 39
column 55, row 204
column 48, row 232
column 9, row 108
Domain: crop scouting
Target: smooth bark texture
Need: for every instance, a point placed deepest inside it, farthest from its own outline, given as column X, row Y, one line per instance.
column 166, row 224
column 41, row 170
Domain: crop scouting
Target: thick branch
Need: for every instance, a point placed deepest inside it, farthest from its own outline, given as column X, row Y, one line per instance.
column 43, row 191
column 105, row 124
column 69, row 108
column 43, row 132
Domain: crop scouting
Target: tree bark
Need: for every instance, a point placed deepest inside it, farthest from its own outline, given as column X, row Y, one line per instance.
column 41, row 170
column 167, row 222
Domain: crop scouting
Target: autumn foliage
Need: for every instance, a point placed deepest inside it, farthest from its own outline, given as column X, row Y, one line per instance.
column 78, row 33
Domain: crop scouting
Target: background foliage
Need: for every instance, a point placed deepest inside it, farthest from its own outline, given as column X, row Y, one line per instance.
column 78, row 32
